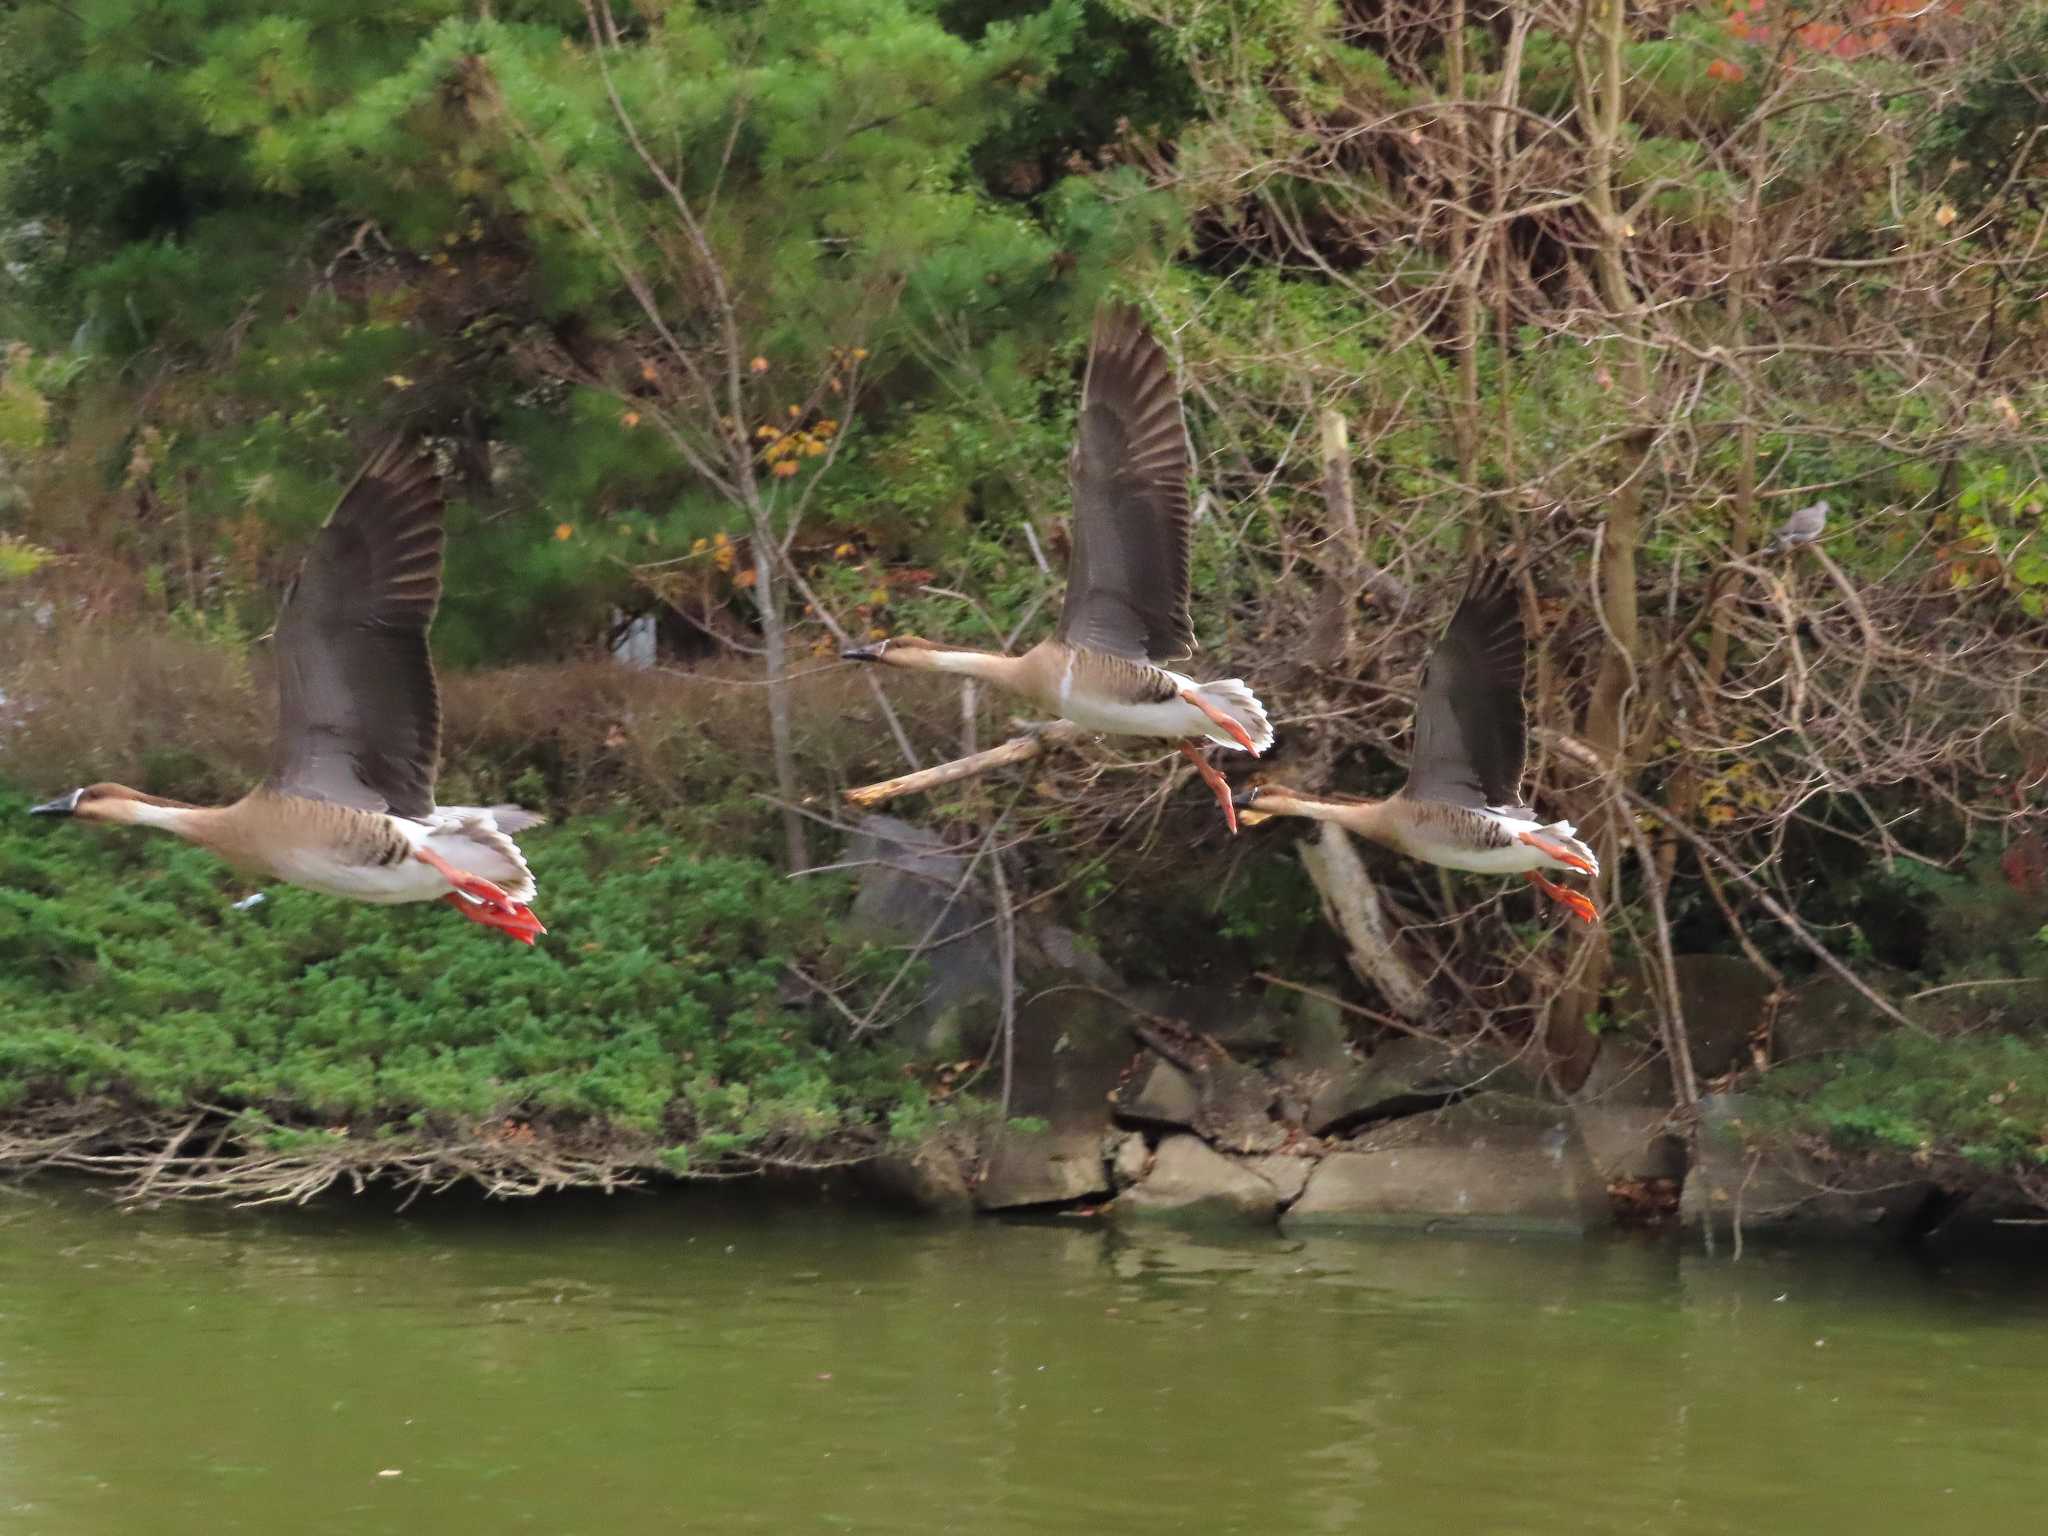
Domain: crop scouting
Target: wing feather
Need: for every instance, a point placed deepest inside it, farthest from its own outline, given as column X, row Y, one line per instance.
column 1127, row 579
column 359, row 713
column 1471, row 735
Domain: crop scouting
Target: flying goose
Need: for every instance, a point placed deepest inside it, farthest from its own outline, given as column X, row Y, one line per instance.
column 348, row 807
column 1461, row 806
column 1106, row 667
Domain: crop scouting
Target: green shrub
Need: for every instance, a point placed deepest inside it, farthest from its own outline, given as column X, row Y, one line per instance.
column 659, row 1006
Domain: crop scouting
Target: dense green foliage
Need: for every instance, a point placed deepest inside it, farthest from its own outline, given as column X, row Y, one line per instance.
column 1979, row 1099
column 661, row 1014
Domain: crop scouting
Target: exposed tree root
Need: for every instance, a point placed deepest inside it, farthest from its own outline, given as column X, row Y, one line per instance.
column 213, row 1155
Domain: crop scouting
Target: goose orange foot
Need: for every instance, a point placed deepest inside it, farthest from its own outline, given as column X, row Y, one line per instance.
column 1557, row 851
column 1577, row 903
column 483, row 901
column 1216, row 782
column 515, row 921
column 1242, row 736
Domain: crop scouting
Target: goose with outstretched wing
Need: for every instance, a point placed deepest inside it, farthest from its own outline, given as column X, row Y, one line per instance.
column 348, row 807
column 1462, row 805
column 1108, row 665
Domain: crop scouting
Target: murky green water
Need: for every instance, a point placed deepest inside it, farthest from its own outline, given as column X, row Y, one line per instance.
column 657, row 1364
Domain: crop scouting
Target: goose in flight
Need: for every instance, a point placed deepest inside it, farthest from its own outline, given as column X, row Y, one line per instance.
column 348, row 806
column 1462, row 807
column 1108, row 665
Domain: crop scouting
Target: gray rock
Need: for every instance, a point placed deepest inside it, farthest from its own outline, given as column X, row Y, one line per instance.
column 906, row 892
column 1406, row 1077
column 1288, row 1175
column 1128, row 1160
column 1236, row 1108
column 1191, row 1181
column 1230, row 1019
column 1226, row 1101
column 1630, row 1142
column 1071, row 1048
column 1823, row 1018
column 930, row 1178
column 1162, row 1095
column 1627, row 1073
column 1774, row 1187
column 1624, row 1109
column 1053, row 1167
column 1046, row 946
column 1724, row 998
column 1484, row 1162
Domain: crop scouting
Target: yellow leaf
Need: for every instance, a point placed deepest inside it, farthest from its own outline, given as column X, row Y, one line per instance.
column 785, row 469
column 564, row 530
column 398, row 381
column 843, row 552
column 1945, row 215
column 745, row 578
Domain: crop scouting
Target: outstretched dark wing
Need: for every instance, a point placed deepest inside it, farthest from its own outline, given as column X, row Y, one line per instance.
column 359, row 717
column 1127, row 581
column 1471, row 739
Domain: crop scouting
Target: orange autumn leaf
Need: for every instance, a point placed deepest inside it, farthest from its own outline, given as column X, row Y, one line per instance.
column 564, row 530
column 759, row 365
column 785, row 469
column 745, row 578
column 630, row 420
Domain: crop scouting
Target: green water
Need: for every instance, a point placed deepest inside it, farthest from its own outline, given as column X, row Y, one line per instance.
column 657, row 1364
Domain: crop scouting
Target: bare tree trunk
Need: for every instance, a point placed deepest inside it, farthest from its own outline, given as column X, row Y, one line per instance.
column 775, row 663
column 1466, row 263
column 1571, row 1045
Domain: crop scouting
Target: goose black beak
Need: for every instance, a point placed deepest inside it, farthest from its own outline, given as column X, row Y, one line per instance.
column 63, row 805
column 1243, row 799
column 864, row 652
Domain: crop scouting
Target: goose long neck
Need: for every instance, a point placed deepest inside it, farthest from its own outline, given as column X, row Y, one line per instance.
column 1368, row 818
column 194, row 823
column 989, row 666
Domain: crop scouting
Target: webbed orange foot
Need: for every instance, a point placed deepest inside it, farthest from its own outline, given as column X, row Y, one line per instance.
column 1218, row 785
column 1577, row 903
column 1557, row 851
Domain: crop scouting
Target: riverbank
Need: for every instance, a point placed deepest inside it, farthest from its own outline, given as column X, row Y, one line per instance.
column 164, row 1039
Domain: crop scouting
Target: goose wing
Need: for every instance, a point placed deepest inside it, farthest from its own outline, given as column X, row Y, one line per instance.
column 1471, row 739
column 1127, row 580
column 359, row 715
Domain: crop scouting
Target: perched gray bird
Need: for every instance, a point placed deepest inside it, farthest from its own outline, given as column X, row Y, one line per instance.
column 1802, row 527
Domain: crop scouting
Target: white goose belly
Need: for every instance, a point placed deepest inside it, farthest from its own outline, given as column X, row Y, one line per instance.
column 1173, row 719
column 381, row 885
column 461, row 836
column 1516, row 858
